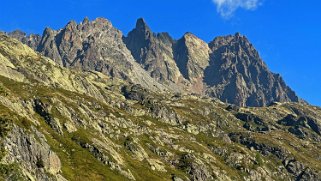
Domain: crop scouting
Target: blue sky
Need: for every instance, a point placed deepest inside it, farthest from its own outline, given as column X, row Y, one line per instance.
column 287, row 33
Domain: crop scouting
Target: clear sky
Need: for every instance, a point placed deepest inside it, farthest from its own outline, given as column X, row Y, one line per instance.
column 286, row 33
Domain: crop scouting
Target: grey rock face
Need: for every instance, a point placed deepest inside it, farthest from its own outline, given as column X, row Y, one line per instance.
column 94, row 46
column 192, row 57
column 294, row 167
column 196, row 172
column 34, row 154
column 41, row 109
column 31, row 40
column 48, row 47
column 154, row 52
column 90, row 45
column 237, row 75
column 182, row 62
column 252, row 122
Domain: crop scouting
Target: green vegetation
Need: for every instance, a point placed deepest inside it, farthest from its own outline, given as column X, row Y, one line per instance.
column 259, row 159
column 11, row 172
column 3, row 91
column 75, row 159
column 5, row 126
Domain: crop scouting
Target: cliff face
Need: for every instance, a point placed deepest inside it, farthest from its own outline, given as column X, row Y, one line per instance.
column 192, row 57
column 154, row 52
column 238, row 75
column 58, row 123
column 228, row 68
column 89, row 45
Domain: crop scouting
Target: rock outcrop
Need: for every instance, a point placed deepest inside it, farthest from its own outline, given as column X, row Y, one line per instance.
column 34, row 154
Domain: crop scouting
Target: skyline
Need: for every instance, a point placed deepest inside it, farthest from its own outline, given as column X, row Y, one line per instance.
column 288, row 41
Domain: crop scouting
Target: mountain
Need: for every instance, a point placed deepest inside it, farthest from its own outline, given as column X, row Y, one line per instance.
column 192, row 57
column 228, row 68
column 58, row 123
column 237, row 74
column 153, row 52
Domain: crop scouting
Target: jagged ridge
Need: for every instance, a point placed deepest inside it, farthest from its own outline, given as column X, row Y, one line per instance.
column 228, row 68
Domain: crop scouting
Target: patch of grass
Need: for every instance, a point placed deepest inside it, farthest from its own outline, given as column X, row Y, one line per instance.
column 3, row 91
column 25, row 123
column 258, row 159
column 8, row 118
column 5, row 126
column 11, row 172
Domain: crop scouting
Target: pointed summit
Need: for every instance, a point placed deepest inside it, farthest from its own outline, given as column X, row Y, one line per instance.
column 153, row 51
column 187, row 34
column 138, row 39
column 192, row 56
column 238, row 34
column 85, row 21
column 237, row 66
column 71, row 25
column 141, row 32
column 141, row 24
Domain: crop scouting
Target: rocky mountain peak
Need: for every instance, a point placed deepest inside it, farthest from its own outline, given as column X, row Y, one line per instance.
column 189, row 35
column 31, row 40
column 17, row 34
column 142, row 26
column 192, row 57
column 94, row 46
column 85, row 20
column 236, row 65
column 48, row 32
column 142, row 31
column 102, row 22
column 237, row 50
column 62, row 45
column 153, row 51
column 71, row 25
column 231, row 40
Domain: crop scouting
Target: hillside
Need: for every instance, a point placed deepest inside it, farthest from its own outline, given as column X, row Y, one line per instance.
column 58, row 123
